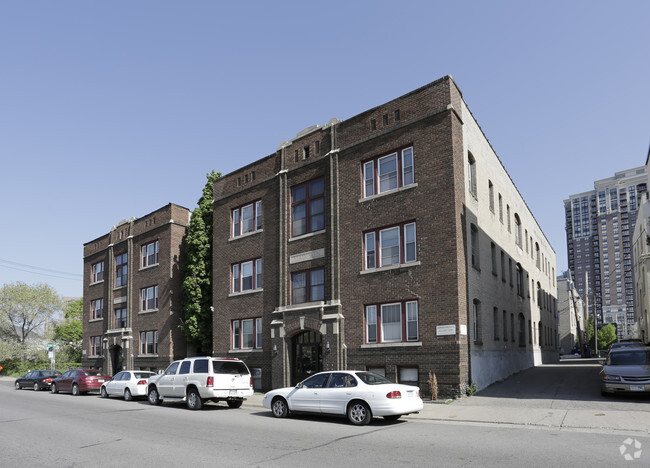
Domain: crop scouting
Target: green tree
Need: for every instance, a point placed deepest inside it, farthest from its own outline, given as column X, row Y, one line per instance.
column 607, row 336
column 69, row 332
column 197, row 273
column 24, row 312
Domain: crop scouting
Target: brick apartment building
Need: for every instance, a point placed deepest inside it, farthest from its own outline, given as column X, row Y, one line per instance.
column 132, row 293
column 393, row 241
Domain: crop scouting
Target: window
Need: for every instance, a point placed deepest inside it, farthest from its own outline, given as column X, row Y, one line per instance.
column 247, row 334
column 149, row 254
column 389, row 172
column 121, row 270
column 408, row 376
column 120, row 318
column 517, row 230
column 247, row 276
column 149, row 298
column 247, row 219
column 308, row 207
column 491, row 195
column 95, row 346
column 398, row 322
column 505, row 326
column 149, row 342
column 520, row 281
column 390, row 246
column 522, row 330
column 471, row 173
column 97, row 274
column 474, row 246
column 495, row 322
column 96, row 309
column 308, row 286
column 476, row 317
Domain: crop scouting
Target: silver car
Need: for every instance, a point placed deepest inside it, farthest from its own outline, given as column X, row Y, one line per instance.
column 626, row 370
column 127, row 384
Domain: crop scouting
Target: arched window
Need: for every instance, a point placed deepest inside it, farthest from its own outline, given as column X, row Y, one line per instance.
column 471, row 173
column 517, row 230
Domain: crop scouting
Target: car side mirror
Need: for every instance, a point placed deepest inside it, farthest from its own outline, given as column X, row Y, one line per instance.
column 299, row 385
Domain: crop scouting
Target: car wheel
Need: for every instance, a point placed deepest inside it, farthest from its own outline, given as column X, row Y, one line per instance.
column 392, row 417
column 75, row 390
column 17, row 386
column 127, row 395
column 36, row 388
column 153, row 396
column 359, row 413
column 279, row 407
column 194, row 401
column 234, row 403
column 103, row 393
column 54, row 389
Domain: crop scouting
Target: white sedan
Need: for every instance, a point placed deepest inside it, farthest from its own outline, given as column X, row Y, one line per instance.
column 127, row 384
column 359, row 395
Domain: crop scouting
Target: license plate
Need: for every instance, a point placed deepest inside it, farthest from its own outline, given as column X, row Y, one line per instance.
column 233, row 392
column 637, row 388
column 100, row 380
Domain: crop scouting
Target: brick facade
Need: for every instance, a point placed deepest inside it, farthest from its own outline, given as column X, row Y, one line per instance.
column 331, row 332
column 121, row 340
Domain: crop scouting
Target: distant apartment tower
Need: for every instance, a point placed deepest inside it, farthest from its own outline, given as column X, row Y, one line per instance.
column 599, row 227
column 393, row 241
column 132, row 293
column 571, row 313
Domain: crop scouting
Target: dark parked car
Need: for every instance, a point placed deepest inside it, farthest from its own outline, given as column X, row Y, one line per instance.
column 37, row 379
column 78, row 381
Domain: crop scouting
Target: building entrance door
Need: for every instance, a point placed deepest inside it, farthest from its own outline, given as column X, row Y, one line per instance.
column 116, row 359
column 307, row 356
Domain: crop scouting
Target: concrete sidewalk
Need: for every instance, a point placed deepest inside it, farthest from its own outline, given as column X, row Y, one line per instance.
column 561, row 419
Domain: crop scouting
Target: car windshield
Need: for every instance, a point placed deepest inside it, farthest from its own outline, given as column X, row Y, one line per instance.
column 50, row 373
column 372, row 379
column 630, row 357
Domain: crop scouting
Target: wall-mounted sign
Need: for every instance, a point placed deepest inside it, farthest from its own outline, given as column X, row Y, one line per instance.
column 442, row 330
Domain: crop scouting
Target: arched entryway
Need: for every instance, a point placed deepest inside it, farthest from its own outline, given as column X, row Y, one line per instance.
column 306, row 355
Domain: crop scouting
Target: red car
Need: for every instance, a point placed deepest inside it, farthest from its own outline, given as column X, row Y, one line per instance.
column 78, row 381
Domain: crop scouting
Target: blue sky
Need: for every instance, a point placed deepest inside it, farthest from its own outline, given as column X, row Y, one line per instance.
column 110, row 110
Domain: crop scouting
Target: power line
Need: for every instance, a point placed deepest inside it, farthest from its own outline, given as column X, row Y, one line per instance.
column 40, row 271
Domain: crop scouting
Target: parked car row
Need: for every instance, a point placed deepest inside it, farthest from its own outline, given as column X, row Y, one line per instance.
column 357, row 395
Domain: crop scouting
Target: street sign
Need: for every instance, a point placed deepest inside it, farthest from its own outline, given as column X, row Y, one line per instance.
column 51, row 345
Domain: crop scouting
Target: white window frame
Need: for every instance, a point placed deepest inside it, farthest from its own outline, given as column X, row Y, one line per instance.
column 148, row 295
column 237, row 270
column 96, row 309
column 404, row 172
column 149, row 339
column 383, row 326
column 147, row 251
column 238, row 226
column 406, row 243
column 97, row 274
column 371, row 324
column 238, row 334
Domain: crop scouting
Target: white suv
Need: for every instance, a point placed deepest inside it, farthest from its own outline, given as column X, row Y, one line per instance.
column 197, row 379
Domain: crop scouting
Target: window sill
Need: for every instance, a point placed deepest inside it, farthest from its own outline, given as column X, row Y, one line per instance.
column 388, row 192
column 244, row 293
column 148, row 267
column 143, row 312
column 147, row 355
column 246, row 351
column 96, row 283
column 117, row 288
column 391, row 267
column 309, row 234
column 406, row 344
column 243, row 236
column 101, row 319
